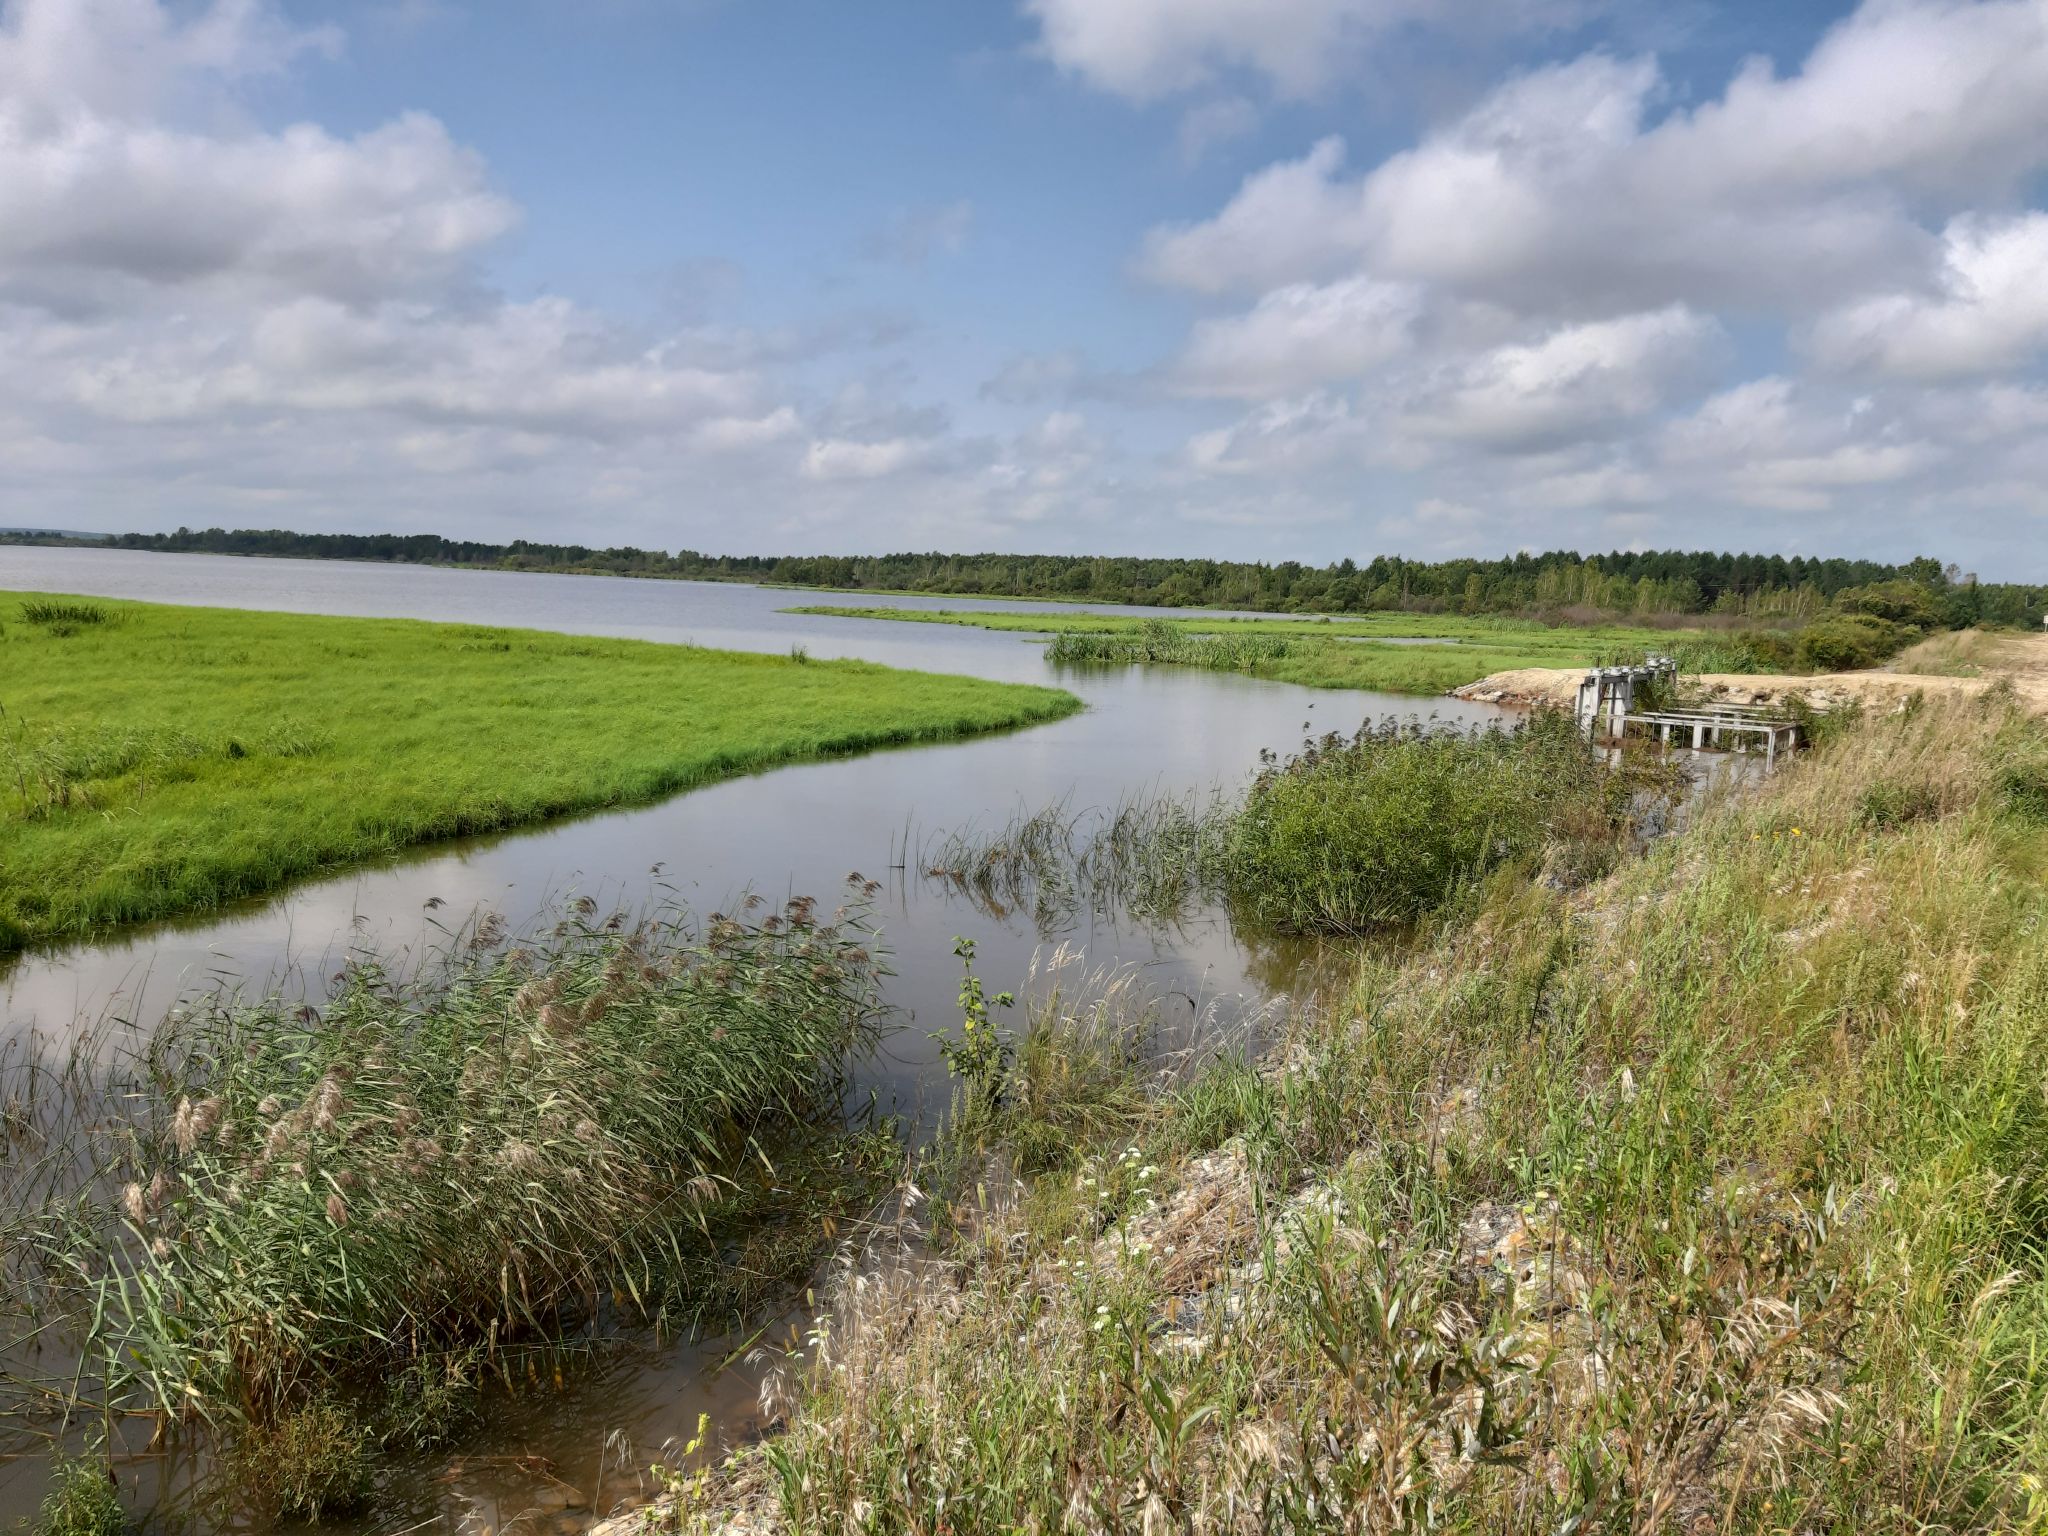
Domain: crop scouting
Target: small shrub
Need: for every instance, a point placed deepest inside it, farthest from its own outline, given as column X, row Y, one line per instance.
column 431, row 1401
column 981, row 1057
column 313, row 1461
column 81, row 1501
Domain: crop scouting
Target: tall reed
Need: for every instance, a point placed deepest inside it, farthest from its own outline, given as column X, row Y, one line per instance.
column 281, row 1199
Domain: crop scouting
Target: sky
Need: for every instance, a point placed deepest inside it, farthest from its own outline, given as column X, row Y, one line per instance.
column 1251, row 279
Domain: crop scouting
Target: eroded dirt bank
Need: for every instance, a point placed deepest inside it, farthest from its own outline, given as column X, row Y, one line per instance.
column 1959, row 665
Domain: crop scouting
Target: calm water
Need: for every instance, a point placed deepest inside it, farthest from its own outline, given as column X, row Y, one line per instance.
column 793, row 830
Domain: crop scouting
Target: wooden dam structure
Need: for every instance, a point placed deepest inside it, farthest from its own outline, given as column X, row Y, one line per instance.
column 1607, row 706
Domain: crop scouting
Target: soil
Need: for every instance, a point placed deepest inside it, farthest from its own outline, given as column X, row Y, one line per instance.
column 1965, row 663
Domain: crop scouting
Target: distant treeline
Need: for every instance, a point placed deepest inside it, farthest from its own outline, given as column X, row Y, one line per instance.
column 1657, row 582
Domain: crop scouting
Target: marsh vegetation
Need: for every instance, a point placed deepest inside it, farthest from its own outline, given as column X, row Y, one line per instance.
column 1426, row 653
column 306, row 1233
column 1706, row 1195
column 1348, row 835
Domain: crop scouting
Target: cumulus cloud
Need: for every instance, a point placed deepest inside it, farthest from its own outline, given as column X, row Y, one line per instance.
column 100, row 198
column 196, row 299
column 1300, row 336
column 1528, row 307
column 1764, row 444
column 1579, row 381
column 1563, row 189
column 1986, row 311
column 840, row 458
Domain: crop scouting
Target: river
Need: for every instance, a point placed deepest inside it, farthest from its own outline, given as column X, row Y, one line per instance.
column 793, row 830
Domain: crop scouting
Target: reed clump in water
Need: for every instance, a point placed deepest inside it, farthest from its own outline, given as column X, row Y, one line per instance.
column 1381, row 827
column 296, row 1201
column 1159, row 642
column 1350, row 834
column 1708, row 1196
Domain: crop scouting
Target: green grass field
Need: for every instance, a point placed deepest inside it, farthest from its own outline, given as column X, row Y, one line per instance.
column 1319, row 652
column 160, row 760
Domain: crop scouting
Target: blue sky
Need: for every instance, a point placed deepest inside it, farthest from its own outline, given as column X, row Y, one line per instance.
column 1251, row 278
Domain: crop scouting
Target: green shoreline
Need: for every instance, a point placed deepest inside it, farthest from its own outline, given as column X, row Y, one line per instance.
column 162, row 760
column 1310, row 652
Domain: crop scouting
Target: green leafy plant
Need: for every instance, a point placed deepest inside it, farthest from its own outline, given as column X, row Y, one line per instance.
column 980, row 1058
column 81, row 1500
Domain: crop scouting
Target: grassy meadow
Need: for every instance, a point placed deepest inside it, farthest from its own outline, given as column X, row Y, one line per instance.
column 1705, row 1194
column 159, row 760
column 1311, row 652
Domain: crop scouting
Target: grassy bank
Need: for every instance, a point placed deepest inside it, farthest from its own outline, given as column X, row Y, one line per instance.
column 318, row 1229
column 1315, row 653
column 161, row 760
column 1710, row 1196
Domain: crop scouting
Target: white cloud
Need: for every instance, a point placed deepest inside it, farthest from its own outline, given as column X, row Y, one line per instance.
column 1764, row 444
column 1144, row 49
column 101, row 201
column 839, row 458
column 1988, row 311
column 1579, row 381
column 741, row 433
column 543, row 366
column 1298, row 337
column 1563, row 190
column 133, row 60
column 1285, row 437
column 1290, row 222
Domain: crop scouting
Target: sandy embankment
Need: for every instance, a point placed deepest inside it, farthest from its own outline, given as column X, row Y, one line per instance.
column 1985, row 658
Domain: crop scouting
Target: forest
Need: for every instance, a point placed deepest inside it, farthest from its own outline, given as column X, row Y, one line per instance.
column 1561, row 583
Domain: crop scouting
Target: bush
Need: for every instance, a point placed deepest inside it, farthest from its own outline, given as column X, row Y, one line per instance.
column 1890, row 803
column 1847, row 642
column 2021, row 781
column 1898, row 602
column 63, row 616
column 314, row 1461
column 81, row 1501
column 1385, row 826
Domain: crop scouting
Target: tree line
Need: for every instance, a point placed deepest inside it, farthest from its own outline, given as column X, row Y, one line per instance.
column 1566, row 583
